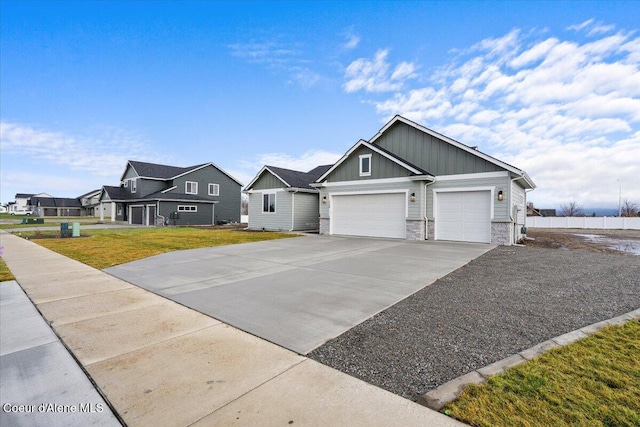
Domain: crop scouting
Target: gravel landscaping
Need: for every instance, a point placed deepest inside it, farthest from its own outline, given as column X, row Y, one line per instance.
column 503, row 302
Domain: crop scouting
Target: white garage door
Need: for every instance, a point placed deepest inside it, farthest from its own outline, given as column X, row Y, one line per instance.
column 370, row 215
column 464, row 216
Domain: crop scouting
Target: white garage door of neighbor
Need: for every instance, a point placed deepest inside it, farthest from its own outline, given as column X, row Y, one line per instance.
column 464, row 216
column 369, row 215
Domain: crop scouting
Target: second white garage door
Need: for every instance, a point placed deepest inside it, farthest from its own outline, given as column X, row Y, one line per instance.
column 369, row 215
column 464, row 216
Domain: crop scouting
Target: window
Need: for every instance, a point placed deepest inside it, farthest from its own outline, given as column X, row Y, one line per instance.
column 187, row 208
column 214, row 189
column 191, row 187
column 269, row 203
column 365, row 165
column 134, row 185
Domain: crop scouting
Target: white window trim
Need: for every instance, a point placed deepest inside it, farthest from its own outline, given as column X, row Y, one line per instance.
column 216, row 187
column 134, row 186
column 194, row 184
column 362, row 157
column 187, row 208
column 275, row 203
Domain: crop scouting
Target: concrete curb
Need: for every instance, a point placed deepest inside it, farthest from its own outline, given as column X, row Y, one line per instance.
column 440, row 396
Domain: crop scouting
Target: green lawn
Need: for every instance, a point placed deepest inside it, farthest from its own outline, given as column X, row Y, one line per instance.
column 5, row 274
column 106, row 248
column 592, row 382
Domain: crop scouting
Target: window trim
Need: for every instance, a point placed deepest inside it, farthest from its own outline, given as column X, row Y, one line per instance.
column 361, row 158
column 193, row 184
column 216, row 187
column 188, row 208
column 134, row 186
column 275, row 203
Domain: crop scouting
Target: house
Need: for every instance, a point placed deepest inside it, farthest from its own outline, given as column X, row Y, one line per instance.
column 197, row 195
column 91, row 205
column 21, row 203
column 409, row 182
column 283, row 199
column 55, row 206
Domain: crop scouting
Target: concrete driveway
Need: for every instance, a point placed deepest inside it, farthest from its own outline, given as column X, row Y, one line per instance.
column 298, row 292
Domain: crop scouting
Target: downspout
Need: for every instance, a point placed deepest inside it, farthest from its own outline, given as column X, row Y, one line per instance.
column 293, row 210
column 426, row 220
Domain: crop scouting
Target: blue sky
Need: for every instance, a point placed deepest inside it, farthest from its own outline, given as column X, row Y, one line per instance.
column 550, row 87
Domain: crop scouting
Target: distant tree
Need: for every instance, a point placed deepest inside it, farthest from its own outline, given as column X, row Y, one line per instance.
column 571, row 209
column 629, row 208
column 244, row 205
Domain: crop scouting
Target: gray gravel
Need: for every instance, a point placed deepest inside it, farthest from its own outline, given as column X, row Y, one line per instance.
column 508, row 300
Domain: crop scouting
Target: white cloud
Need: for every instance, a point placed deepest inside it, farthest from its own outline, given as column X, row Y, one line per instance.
column 248, row 168
column 75, row 164
column 376, row 75
column 565, row 110
column 107, row 149
column 279, row 57
column 353, row 40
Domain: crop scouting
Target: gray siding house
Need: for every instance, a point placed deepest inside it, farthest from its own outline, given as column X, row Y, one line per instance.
column 150, row 194
column 409, row 182
column 283, row 200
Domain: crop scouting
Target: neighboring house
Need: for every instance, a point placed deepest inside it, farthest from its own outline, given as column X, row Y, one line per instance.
column 45, row 205
column 91, row 205
column 21, row 202
column 195, row 195
column 409, row 182
column 282, row 199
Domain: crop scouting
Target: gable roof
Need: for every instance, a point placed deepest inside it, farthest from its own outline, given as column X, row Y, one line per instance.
column 55, row 202
column 23, row 195
column 291, row 178
column 166, row 172
column 455, row 143
column 120, row 194
column 385, row 153
column 90, row 193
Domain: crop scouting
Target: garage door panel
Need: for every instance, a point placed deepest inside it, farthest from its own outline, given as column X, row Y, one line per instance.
column 464, row 216
column 369, row 215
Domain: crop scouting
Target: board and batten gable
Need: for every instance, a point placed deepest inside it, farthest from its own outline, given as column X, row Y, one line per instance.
column 267, row 181
column 144, row 186
column 228, row 208
column 430, row 153
column 381, row 167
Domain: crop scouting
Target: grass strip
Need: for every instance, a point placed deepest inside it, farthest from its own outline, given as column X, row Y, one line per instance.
column 5, row 273
column 592, row 382
column 107, row 248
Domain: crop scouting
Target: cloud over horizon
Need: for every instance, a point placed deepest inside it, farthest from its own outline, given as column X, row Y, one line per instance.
column 565, row 109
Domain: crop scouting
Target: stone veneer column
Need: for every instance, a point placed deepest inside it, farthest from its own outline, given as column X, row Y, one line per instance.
column 415, row 230
column 501, row 233
column 325, row 226
column 431, row 230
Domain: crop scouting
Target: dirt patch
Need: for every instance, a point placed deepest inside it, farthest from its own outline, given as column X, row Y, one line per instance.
column 603, row 241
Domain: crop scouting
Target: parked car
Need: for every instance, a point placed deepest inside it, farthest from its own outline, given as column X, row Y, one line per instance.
column 22, row 212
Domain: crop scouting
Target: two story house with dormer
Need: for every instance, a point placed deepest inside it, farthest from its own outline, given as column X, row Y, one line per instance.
column 150, row 194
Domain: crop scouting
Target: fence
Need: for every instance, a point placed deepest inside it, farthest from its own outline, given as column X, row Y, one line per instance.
column 598, row 222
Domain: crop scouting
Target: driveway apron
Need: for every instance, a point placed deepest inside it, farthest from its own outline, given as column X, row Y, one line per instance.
column 298, row 292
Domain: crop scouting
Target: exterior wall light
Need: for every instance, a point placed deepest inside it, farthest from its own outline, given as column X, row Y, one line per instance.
column 413, row 197
column 500, row 195
column 324, row 199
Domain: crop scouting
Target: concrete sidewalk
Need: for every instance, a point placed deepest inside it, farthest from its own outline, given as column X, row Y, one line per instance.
column 159, row 363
